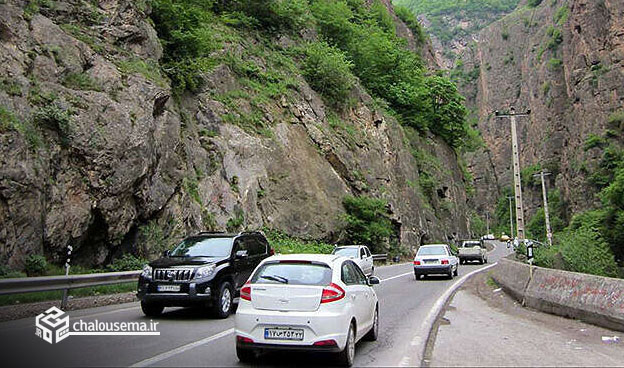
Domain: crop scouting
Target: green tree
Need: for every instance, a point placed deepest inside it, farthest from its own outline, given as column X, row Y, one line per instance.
column 328, row 72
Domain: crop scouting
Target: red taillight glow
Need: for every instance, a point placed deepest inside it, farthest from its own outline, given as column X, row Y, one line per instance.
column 332, row 293
column 416, row 263
column 326, row 343
column 272, row 252
column 243, row 339
column 445, row 261
column 245, row 292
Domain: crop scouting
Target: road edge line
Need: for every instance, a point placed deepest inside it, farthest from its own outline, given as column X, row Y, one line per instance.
column 420, row 340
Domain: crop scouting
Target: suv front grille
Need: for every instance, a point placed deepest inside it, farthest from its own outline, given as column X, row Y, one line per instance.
column 173, row 274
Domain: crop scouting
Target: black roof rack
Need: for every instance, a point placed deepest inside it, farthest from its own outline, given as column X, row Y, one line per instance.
column 252, row 232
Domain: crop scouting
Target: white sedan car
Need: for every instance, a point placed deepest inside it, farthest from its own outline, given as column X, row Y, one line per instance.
column 359, row 254
column 435, row 259
column 307, row 302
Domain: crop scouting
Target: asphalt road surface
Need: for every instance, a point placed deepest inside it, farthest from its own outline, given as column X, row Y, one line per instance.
column 190, row 337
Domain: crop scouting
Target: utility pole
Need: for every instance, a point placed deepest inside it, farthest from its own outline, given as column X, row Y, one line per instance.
column 542, row 174
column 516, row 168
column 487, row 222
column 510, row 198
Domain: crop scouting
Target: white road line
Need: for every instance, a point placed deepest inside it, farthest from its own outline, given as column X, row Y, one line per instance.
column 168, row 354
column 397, row 276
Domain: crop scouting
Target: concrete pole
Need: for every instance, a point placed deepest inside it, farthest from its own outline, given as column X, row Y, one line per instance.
column 517, row 179
column 516, row 170
column 542, row 174
column 511, row 217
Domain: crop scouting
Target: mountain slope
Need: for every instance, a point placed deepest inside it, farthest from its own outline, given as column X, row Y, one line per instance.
column 113, row 144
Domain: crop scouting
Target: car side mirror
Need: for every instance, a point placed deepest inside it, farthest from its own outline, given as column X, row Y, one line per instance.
column 166, row 253
column 241, row 254
column 373, row 280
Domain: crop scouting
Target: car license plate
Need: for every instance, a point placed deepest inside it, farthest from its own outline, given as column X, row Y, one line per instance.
column 431, row 261
column 173, row 288
column 283, row 334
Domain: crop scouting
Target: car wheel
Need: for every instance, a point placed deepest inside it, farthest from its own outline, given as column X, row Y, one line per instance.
column 456, row 271
column 347, row 355
column 486, row 260
column 374, row 331
column 152, row 309
column 450, row 273
column 222, row 305
column 482, row 260
column 246, row 355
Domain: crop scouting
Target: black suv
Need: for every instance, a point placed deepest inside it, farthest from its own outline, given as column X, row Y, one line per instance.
column 206, row 269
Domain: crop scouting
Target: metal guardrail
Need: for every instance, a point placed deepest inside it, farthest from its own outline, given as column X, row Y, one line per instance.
column 49, row 283
column 380, row 257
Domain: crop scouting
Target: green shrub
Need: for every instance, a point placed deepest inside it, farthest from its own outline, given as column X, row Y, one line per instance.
column 408, row 17
column 147, row 68
column 284, row 244
column 55, row 118
column 584, row 250
column 367, row 222
column 592, row 141
column 616, row 119
column 328, row 72
column 280, row 15
column 533, row 3
column 562, row 14
column 81, row 81
column 127, row 262
column 234, row 223
column 555, row 63
column 35, row 265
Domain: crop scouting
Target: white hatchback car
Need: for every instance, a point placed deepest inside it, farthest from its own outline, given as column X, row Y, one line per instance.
column 307, row 302
column 359, row 254
column 435, row 259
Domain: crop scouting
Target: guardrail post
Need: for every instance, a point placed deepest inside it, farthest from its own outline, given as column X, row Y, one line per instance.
column 66, row 291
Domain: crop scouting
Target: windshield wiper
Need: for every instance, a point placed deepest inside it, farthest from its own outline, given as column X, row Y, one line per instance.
column 280, row 279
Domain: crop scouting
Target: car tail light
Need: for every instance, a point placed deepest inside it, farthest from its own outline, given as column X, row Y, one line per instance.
column 332, row 293
column 245, row 292
column 272, row 252
column 416, row 263
column 245, row 340
column 445, row 261
column 326, row 343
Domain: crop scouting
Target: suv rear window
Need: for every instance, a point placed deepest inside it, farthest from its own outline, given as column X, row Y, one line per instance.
column 293, row 273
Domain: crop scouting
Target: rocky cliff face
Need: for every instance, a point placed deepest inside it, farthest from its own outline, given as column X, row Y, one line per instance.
column 563, row 60
column 98, row 154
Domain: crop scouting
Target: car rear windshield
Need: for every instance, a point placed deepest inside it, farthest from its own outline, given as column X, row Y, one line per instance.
column 346, row 252
column 203, row 247
column 432, row 251
column 471, row 244
column 293, row 273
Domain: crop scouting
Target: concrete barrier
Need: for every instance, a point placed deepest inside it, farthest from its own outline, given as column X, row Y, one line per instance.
column 593, row 299
column 512, row 276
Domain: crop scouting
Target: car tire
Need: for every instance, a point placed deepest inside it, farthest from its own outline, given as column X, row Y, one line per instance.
column 372, row 334
column 222, row 305
column 456, row 272
column 246, row 355
column 482, row 260
column 486, row 260
column 347, row 355
column 450, row 273
column 152, row 309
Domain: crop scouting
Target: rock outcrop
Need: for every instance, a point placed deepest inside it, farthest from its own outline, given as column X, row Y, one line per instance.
column 98, row 154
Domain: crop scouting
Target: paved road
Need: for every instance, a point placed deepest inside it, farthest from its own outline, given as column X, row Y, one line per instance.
column 191, row 338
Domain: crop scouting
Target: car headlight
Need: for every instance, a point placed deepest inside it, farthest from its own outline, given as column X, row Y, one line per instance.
column 205, row 271
column 147, row 271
